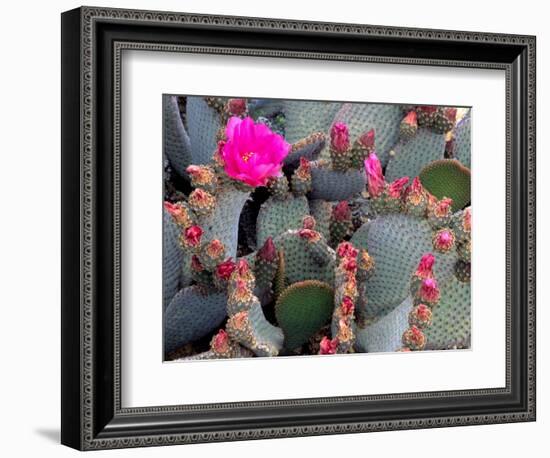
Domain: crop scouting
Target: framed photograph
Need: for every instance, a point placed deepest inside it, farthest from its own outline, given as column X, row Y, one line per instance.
column 276, row 228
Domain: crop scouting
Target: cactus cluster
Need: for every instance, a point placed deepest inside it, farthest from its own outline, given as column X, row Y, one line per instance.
column 305, row 228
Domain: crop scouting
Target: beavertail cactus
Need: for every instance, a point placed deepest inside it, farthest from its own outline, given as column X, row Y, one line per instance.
column 326, row 228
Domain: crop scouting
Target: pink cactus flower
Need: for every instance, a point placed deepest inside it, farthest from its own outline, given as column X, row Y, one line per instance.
column 429, row 291
column 225, row 269
column 346, row 250
column 268, row 252
column 396, row 187
column 341, row 212
column 252, row 153
column 410, row 119
column 327, row 346
column 373, row 169
column 339, row 137
column 425, row 266
column 347, row 305
column 366, row 140
column 192, row 235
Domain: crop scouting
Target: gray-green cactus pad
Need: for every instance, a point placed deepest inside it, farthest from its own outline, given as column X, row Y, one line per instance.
column 223, row 222
column 321, row 210
column 463, row 141
column 304, row 118
column 191, row 315
column 277, row 216
column 331, row 185
column 383, row 118
column 410, row 157
column 385, row 334
column 397, row 243
column 300, row 264
column 177, row 145
column 172, row 259
column 451, row 322
column 203, row 123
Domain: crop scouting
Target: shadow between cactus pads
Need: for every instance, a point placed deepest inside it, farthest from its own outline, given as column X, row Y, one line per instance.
column 447, row 178
column 302, row 309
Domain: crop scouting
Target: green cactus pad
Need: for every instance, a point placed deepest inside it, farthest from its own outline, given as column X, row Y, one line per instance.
column 383, row 118
column 397, row 242
column 223, row 222
column 385, row 334
column 305, row 118
column 177, row 145
column 331, row 185
column 410, row 157
column 462, row 147
column 302, row 309
column 172, row 259
column 321, row 210
column 447, row 178
column 300, row 265
column 191, row 315
column 308, row 148
column 451, row 322
column 203, row 124
column 277, row 216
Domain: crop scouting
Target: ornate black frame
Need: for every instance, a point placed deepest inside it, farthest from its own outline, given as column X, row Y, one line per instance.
column 92, row 42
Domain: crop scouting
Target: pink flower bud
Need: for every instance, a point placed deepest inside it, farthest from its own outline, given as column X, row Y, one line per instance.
column 443, row 240
column 196, row 264
column 179, row 213
column 201, row 175
column 346, row 250
column 450, row 114
column 396, row 188
column 192, row 235
column 349, row 264
column 339, row 137
column 410, row 119
column 309, row 234
column 347, row 305
column 327, row 346
column 220, row 342
column 267, row 252
column 443, row 207
column 308, row 222
column 375, row 178
column 467, row 221
column 225, row 269
column 236, row 107
column 414, row 338
column 425, row 266
column 243, row 269
column 341, row 212
column 366, row 140
column 429, row 290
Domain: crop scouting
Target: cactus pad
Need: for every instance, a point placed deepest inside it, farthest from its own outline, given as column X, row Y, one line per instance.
column 383, row 118
column 177, row 145
column 203, row 124
column 191, row 315
column 462, row 137
column 329, row 184
column 447, row 178
column 302, row 309
column 276, row 216
column 410, row 157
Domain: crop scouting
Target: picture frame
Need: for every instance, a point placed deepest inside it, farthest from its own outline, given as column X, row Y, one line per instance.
column 93, row 416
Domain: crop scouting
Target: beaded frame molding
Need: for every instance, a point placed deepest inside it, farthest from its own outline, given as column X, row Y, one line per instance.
column 92, row 42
